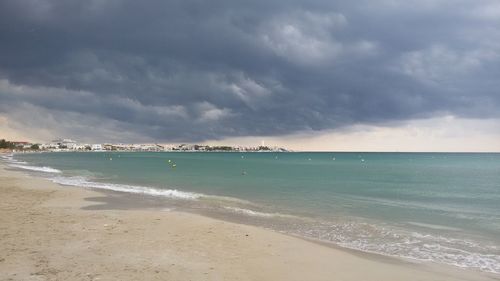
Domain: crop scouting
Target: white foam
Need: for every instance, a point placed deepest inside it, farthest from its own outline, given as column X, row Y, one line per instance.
column 83, row 182
column 430, row 253
column 36, row 168
column 228, row 199
column 10, row 159
column 400, row 243
column 255, row 213
column 434, row 226
column 248, row 212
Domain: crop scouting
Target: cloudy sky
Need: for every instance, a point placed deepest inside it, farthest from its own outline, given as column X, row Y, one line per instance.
column 314, row 75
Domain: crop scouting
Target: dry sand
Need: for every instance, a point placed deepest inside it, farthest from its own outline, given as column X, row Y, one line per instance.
column 46, row 235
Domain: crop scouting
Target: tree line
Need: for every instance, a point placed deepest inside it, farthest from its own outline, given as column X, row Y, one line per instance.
column 12, row 145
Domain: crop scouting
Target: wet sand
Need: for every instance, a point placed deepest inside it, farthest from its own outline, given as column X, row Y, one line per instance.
column 53, row 232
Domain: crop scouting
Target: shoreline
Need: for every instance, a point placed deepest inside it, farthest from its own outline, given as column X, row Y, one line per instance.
column 208, row 249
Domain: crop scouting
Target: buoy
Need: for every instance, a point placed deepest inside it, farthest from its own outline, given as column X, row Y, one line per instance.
column 110, row 159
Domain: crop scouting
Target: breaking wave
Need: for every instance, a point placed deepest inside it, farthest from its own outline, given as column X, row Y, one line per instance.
column 137, row 189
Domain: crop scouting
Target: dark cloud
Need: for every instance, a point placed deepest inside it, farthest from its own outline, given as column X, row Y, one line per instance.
column 193, row 70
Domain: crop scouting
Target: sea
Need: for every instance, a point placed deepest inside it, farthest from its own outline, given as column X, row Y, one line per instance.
column 431, row 207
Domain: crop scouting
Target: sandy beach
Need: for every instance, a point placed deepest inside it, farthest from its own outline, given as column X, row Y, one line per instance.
column 52, row 232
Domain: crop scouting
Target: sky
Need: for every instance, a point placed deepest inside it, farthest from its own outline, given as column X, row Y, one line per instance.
column 367, row 75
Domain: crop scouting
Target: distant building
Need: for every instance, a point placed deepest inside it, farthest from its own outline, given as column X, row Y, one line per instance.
column 108, row 146
column 96, row 147
column 49, row 146
column 62, row 144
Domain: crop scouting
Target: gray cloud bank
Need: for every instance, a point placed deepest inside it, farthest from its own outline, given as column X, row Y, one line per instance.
column 195, row 70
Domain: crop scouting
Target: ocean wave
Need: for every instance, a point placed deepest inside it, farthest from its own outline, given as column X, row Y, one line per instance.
column 389, row 241
column 137, row 189
column 10, row 159
column 255, row 213
column 434, row 226
column 36, row 168
column 230, row 200
column 432, row 253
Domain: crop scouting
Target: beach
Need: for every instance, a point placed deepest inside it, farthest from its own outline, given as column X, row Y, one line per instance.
column 52, row 232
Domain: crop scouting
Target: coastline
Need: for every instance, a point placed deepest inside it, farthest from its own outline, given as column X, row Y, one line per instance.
column 53, row 232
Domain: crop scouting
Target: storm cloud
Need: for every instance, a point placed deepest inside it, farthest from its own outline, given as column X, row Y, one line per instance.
column 196, row 70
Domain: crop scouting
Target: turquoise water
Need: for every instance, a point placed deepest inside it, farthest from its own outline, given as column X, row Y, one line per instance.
column 440, row 207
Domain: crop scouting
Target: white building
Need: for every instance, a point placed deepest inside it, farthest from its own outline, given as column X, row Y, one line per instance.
column 96, row 147
column 63, row 144
column 49, row 146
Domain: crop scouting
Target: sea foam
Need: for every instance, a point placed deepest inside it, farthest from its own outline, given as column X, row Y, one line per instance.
column 36, row 168
column 10, row 160
column 255, row 213
column 137, row 189
column 387, row 241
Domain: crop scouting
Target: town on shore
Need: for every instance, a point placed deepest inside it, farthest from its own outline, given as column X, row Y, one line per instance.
column 72, row 145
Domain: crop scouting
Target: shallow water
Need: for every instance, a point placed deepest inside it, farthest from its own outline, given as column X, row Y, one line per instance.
column 441, row 207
